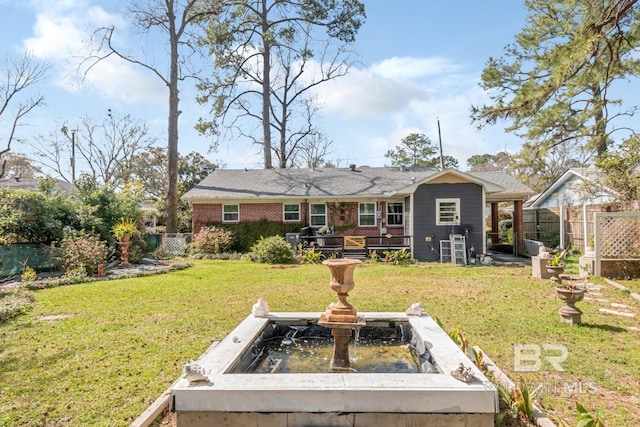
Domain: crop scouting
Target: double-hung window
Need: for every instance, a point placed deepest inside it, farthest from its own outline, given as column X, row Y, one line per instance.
column 230, row 213
column 447, row 211
column 367, row 214
column 395, row 213
column 291, row 212
column 318, row 214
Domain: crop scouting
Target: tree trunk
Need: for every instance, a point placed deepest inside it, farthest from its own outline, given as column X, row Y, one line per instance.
column 600, row 138
column 266, row 90
column 172, row 131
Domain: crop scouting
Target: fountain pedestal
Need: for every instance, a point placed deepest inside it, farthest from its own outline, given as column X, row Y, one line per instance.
column 341, row 317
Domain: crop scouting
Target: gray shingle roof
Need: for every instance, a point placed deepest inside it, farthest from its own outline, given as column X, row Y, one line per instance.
column 318, row 183
column 510, row 184
column 31, row 184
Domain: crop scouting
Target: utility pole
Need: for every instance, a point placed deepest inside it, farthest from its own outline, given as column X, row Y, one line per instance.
column 73, row 155
column 440, row 139
column 65, row 131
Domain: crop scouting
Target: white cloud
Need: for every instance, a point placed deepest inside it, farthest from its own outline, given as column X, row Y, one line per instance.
column 407, row 68
column 364, row 94
column 409, row 95
column 62, row 36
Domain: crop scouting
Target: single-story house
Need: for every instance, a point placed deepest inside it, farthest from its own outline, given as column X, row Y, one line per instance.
column 424, row 206
column 33, row 184
column 563, row 213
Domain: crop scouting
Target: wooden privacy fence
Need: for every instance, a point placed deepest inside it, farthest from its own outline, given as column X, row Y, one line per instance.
column 544, row 225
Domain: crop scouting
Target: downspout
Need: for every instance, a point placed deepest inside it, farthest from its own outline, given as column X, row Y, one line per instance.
column 562, row 226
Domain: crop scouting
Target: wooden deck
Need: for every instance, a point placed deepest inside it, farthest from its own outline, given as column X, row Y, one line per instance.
column 355, row 246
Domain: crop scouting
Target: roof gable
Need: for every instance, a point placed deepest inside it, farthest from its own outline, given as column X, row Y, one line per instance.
column 575, row 186
column 452, row 176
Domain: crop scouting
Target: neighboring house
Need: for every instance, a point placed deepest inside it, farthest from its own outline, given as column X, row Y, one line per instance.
column 31, row 184
column 425, row 205
column 149, row 213
column 563, row 214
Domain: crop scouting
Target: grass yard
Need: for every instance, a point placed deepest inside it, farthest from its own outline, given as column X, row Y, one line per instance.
column 99, row 353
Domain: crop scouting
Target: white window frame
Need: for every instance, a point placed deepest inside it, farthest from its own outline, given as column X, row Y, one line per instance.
column 367, row 214
column 395, row 214
column 312, row 215
column 448, row 219
column 285, row 212
column 237, row 213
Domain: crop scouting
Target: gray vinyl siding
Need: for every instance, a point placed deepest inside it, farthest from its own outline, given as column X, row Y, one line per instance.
column 423, row 218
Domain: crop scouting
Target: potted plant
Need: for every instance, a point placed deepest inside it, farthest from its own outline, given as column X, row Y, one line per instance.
column 555, row 265
column 123, row 232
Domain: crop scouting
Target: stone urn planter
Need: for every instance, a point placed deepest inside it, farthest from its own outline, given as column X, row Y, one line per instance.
column 555, row 271
column 569, row 313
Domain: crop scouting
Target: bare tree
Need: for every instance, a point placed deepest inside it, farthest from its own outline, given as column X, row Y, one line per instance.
column 173, row 18
column 18, row 75
column 312, row 152
column 106, row 149
column 264, row 50
column 20, row 166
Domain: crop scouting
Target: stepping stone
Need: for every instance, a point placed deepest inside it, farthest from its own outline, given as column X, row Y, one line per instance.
column 595, row 299
column 616, row 305
column 617, row 313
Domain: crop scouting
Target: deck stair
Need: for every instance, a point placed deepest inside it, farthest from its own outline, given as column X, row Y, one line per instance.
column 355, row 247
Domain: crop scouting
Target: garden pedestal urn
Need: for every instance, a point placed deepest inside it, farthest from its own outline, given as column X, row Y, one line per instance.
column 341, row 316
column 556, row 271
column 569, row 313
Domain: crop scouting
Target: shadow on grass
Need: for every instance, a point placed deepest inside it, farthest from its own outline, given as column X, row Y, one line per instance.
column 603, row 327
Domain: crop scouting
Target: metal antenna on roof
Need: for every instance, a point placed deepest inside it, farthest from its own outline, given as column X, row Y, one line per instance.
column 440, row 139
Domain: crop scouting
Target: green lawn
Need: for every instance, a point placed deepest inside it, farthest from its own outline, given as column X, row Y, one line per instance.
column 99, row 353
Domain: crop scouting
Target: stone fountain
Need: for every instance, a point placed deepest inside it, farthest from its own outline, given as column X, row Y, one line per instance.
column 341, row 317
column 217, row 389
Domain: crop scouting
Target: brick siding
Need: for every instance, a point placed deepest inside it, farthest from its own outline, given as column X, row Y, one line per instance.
column 338, row 215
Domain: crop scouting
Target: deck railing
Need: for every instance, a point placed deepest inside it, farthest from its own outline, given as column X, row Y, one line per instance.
column 328, row 243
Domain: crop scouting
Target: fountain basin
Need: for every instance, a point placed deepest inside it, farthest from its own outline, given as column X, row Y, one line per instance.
column 335, row 398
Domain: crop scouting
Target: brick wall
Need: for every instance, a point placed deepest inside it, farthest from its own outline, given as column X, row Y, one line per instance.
column 338, row 215
column 204, row 214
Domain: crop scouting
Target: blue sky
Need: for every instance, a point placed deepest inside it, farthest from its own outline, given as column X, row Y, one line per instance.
column 419, row 60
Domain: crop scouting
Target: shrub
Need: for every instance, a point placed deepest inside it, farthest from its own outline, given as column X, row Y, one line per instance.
column 505, row 231
column 212, row 240
column 76, row 275
column 28, row 276
column 15, row 303
column 271, row 250
column 247, row 233
column 374, row 256
column 135, row 254
column 310, row 256
column 398, row 257
column 84, row 251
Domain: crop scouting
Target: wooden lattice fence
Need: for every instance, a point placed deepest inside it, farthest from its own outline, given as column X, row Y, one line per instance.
column 617, row 243
column 176, row 244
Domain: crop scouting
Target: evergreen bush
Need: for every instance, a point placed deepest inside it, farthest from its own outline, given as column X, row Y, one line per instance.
column 271, row 250
column 247, row 233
